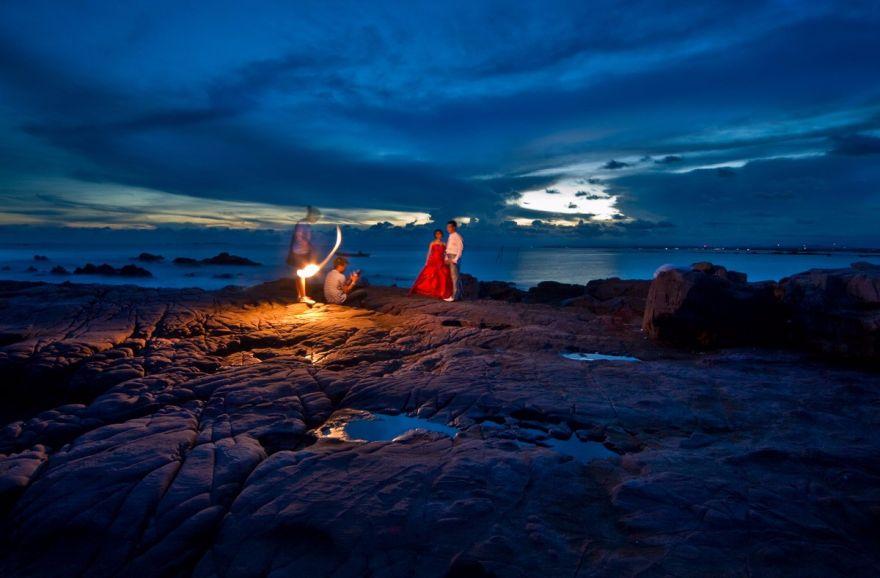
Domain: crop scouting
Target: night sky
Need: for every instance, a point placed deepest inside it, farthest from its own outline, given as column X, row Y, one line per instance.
column 590, row 122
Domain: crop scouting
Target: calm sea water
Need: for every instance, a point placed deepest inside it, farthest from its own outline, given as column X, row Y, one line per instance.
column 399, row 266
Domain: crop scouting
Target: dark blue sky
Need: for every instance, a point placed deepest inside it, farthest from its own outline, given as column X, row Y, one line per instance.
column 585, row 122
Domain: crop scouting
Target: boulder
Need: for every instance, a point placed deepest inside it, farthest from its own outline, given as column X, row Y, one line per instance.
column 501, row 291
column 707, row 306
column 470, row 287
column 554, row 292
column 836, row 311
column 149, row 258
column 59, row 270
column 622, row 298
column 225, row 258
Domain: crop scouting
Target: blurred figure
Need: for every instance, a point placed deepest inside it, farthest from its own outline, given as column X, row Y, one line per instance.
column 338, row 289
column 454, row 250
column 435, row 279
column 301, row 251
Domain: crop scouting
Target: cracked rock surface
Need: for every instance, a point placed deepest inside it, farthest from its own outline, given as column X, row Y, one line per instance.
column 150, row 432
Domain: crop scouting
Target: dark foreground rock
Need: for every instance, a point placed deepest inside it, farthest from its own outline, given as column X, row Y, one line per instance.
column 175, row 432
column 836, row 311
column 620, row 298
column 708, row 306
column 554, row 292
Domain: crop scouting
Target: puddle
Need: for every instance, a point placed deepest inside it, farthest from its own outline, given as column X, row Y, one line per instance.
column 599, row 357
column 363, row 426
column 583, row 452
column 376, row 427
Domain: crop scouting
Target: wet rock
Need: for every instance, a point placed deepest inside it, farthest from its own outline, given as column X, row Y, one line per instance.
column 40, row 258
column 59, row 270
column 149, row 258
column 707, row 306
column 31, row 269
column 225, row 258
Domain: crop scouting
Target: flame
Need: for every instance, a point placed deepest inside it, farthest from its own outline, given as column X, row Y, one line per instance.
column 311, row 269
column 308, row 271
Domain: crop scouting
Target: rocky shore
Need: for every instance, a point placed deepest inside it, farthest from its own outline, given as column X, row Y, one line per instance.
column 183, row 432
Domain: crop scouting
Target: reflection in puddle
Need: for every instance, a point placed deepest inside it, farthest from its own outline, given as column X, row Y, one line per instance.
column 370, row 427
column 598, row 357
column 583, row 452
column 363, row 426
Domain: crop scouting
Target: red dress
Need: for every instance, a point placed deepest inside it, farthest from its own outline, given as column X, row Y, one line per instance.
column 434, row 280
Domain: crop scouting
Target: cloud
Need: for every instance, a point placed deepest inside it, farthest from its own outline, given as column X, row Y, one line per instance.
column 764, row 203
column 423, row 109
column 614, row 165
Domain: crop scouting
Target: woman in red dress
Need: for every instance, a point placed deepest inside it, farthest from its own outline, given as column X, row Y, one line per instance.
column 434, row 280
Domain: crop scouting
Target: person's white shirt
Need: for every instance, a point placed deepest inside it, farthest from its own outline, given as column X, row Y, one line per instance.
column 334, row 283
column 454, row 247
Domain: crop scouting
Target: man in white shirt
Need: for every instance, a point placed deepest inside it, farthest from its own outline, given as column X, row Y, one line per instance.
column 338, row 289
column 454, row 250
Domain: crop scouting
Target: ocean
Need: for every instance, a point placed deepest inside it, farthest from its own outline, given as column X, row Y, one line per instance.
column 399, row 265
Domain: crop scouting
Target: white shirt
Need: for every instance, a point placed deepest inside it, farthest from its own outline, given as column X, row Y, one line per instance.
column 333, row 284
column 454, row 247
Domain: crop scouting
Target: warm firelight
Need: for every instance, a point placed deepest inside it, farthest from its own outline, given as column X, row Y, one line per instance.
column 311, row 269
column 308, row 271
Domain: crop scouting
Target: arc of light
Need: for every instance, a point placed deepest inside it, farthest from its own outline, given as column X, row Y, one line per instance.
column 311, row 269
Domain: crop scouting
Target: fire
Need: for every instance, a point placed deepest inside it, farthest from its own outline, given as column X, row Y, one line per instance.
column 308, row 271
column 311, row 269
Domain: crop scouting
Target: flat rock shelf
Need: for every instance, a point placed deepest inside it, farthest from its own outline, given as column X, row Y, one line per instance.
column 188, row 433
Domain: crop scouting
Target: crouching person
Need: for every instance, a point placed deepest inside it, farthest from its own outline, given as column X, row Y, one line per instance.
column 338, row 289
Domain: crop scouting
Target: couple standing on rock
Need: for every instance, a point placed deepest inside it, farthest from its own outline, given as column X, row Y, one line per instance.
column 440, row 276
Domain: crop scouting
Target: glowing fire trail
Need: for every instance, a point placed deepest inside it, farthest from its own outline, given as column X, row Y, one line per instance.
column 311, row 269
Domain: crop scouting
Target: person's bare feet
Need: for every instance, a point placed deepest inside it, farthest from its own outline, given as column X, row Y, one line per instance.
column 450, row 299
column 307, row 300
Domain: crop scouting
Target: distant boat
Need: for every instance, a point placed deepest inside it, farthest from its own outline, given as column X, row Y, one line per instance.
column 358, row 254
